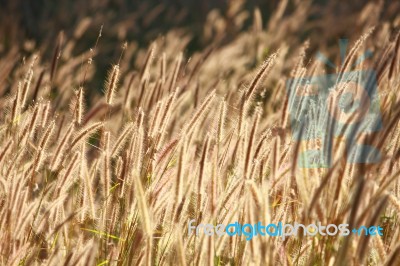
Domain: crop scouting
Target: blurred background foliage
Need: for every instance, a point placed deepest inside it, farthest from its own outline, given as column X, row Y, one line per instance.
column 139, row 21
column 142, row 21
column 29, row 26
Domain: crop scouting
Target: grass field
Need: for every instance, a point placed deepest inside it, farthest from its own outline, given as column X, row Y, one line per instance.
column 112, row 175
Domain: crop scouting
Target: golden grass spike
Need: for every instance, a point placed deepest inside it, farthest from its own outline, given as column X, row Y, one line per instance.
column 111, row 84
column 86, row 132
column 59, row 152
column 262, row 72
